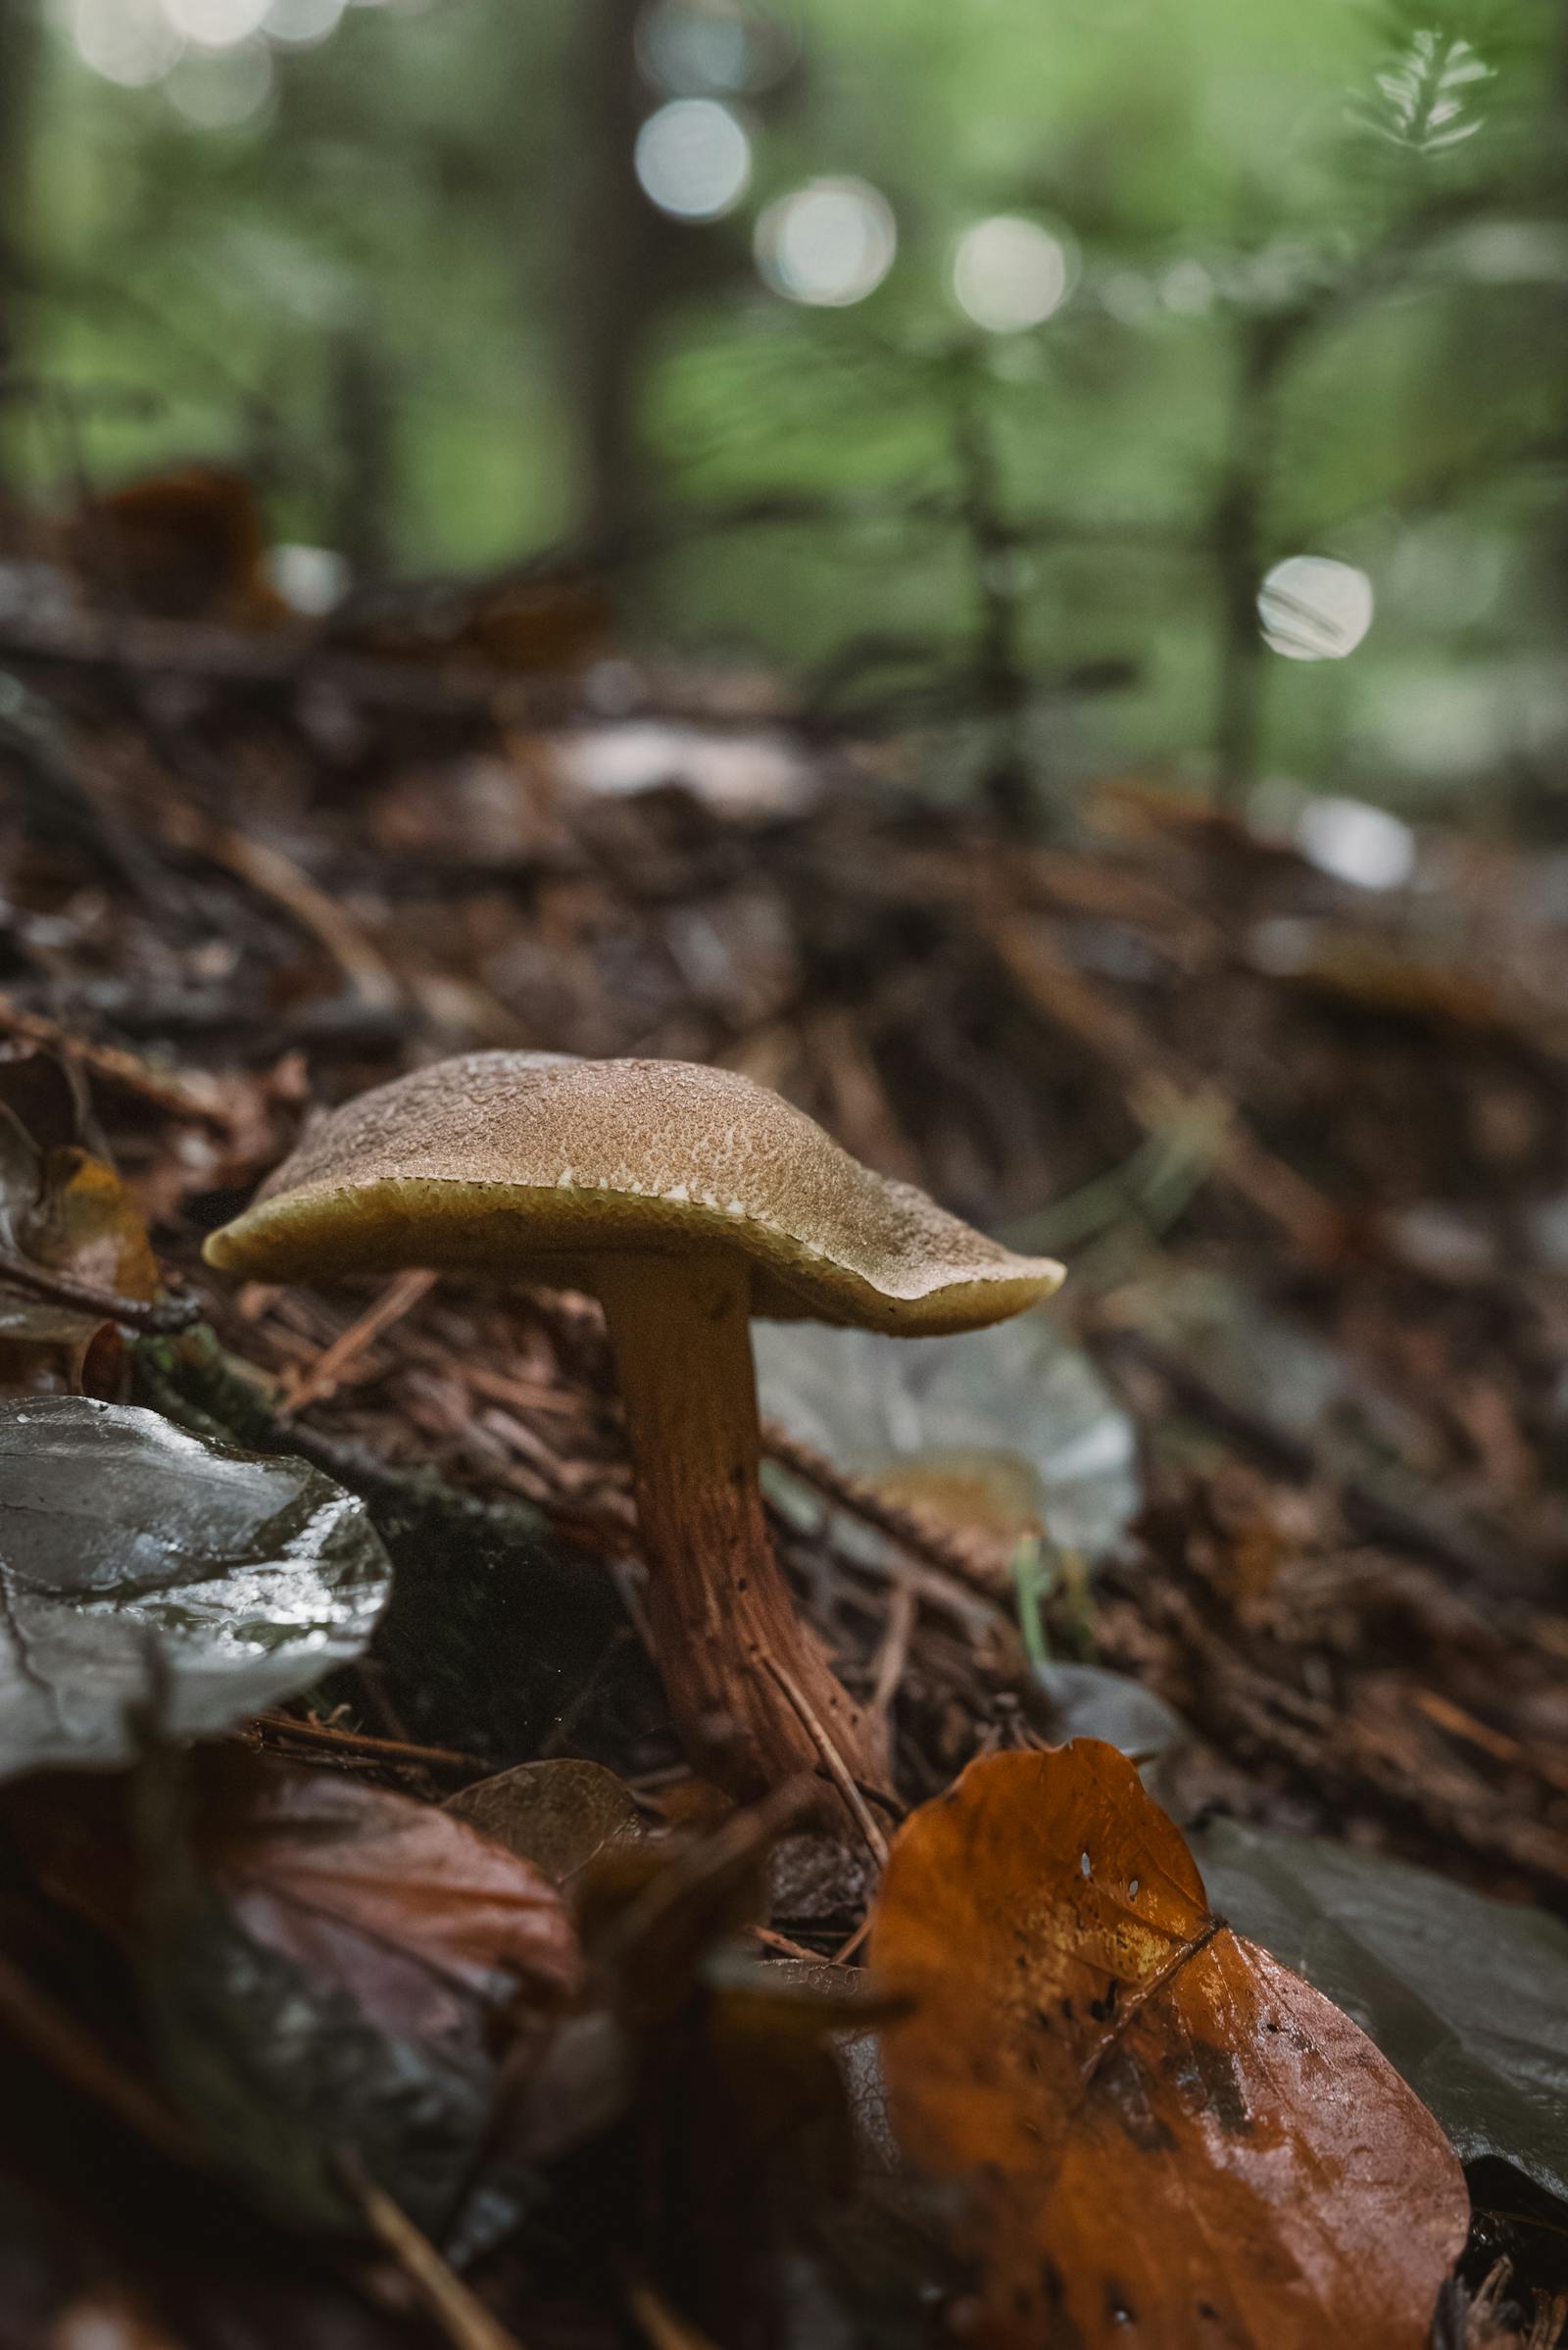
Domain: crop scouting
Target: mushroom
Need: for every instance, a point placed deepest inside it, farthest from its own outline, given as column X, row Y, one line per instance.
column 685, row 1200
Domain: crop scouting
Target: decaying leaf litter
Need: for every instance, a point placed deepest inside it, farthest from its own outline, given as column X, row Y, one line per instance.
column 1272, row 1495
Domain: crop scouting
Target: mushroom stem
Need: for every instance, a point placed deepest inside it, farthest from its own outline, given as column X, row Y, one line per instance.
column 718, row 1604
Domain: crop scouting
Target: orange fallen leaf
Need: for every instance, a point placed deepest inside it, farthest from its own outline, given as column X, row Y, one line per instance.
column 1167, row 2138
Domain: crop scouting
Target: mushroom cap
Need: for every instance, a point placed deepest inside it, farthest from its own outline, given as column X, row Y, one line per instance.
column 532, row 1164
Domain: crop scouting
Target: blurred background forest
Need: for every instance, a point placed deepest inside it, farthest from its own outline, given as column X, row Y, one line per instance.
column 1179, row 384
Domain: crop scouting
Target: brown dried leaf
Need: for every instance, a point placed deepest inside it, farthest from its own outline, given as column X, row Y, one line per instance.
column 1171, row 2139
column 556, row 1814
column 64, row 1210
column 422, row 1921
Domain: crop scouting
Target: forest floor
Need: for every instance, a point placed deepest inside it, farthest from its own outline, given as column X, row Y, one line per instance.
column 1303, row 1146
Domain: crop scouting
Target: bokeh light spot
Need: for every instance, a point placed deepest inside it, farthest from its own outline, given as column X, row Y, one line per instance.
column 1128, row 298
column 129, row 41
column 1314, row 607
column 694, row 159
column 1356, row 843
column 706, row 49
column 222, row 89
column 829, row 243
column 1188, row 289
column 311, row 580
column 303, row 23
column 1011, row 273
column 217, row 23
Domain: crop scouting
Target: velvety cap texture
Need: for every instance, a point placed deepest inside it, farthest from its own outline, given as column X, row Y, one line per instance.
column 531, row 1164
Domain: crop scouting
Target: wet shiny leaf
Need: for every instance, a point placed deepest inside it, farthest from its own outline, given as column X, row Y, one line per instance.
column 153, row 1581
column 1089, row 2042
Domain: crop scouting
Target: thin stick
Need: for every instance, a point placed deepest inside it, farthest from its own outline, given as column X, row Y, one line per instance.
column 326, row 1734
column 272, row 875
column 158, row 1317
column 454, row 2306
column 785, row 1947
column 399, row 1298
column 893, row 1654
column 984, row 1566
column 196, row 1100
column 846, row 1951
column 664, row 2326
column 57, row 2039
column 837, row 1769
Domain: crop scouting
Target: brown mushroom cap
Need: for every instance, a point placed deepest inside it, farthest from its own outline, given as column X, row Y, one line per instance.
column 532, row 1164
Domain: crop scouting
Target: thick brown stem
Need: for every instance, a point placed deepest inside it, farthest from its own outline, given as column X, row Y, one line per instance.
column 717, row 1601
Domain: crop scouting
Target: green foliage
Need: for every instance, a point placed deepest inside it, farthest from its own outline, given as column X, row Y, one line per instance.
column 414, row 208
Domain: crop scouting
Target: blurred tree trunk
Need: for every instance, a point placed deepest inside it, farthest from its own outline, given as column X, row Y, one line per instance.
column 618, row 276
column 1009, row 785
column 1238, row 538
column 1559, row 357
column 365, row 475
column 20, row 60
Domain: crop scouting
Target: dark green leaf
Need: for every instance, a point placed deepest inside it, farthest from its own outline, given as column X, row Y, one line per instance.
column 1467, row 1996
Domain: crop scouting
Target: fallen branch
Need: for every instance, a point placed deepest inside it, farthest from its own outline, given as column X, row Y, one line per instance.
column 162, row 1317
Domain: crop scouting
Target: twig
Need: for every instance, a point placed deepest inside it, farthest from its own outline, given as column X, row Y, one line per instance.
column 193, row 1099
column 736, row 1840
column 454, row 2306
column 837, row 1768
column 1376, row 1516
column 266, row 869
column 785, row 1947
column 893, row 1654
column 57, row 2039
column 326, row 1734
column 665, row 2328
column 157, row 1318
column 917, row 1531
column 1156, row 1082
column 399, row 1298
column 847, row 1949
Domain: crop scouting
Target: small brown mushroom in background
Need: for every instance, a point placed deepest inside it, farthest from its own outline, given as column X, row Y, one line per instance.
column 686, row 1200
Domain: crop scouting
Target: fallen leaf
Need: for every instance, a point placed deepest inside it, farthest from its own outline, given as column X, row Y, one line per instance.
column 64, row 1210
column 1467, row 1996
column 1166, row 2137
column 997, row 1492
column 157, row 1581
column 325, row 1964
column 1020, row 1393
column 1092, row 1702
column 556, row 1814
column 416, row 1913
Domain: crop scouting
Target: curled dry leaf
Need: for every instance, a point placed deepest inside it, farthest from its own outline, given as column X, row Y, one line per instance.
column 1169, row 2138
